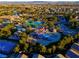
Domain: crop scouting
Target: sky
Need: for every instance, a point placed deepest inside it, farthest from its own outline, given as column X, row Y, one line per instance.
column 38, row 0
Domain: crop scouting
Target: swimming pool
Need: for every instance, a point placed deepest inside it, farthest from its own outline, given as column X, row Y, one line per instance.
column 6, row 46
column 46, row 39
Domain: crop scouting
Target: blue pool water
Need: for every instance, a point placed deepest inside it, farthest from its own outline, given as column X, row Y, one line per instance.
column 3, row 56
column 37, row 23
column 6, row 46
column 74, row 46
column 45, row 39
column 71, row 54
column 62, row 20
column 15, row 55
column 64, row 28
column 67, row 30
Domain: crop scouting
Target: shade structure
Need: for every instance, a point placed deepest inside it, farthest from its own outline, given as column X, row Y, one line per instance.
column 46, row 39
column 6, row 46
column 72, row 54
column 75, row 46
column 3, row 56
column 14, row 37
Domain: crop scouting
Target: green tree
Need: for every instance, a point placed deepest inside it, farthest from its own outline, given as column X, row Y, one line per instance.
column 6, row 30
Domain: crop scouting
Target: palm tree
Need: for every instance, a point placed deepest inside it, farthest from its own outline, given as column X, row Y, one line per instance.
column 49, row 51
column 66, row 40
column 16, row 49
column 77, row 36
column 54, row 48
column 24, row 37
column 43, row 49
